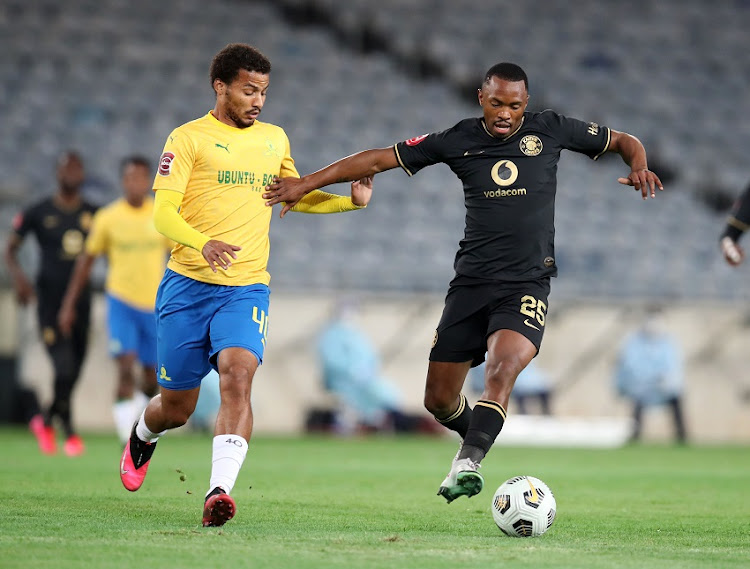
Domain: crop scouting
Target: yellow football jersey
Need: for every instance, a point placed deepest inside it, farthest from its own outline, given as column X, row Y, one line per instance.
column 222, row 172
column 136, row 252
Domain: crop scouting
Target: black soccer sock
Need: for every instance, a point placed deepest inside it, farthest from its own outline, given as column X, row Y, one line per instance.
column 487, row 420
column 460, row 419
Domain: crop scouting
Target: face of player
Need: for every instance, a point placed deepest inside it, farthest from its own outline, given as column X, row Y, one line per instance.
column 136, row 183
column 70, row 173
column 239, row 103
column 503, row 104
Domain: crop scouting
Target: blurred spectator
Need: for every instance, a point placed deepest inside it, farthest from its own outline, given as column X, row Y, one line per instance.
column 367, row 401
column 649, row 372
column 532, row 384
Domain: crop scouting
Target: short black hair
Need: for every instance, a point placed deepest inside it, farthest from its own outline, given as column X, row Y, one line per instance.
column 508, row 72
column 135, row 160
column 227, row 63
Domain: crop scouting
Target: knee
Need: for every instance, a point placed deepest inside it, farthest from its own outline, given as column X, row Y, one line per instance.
column 502, row 374
column 235, row 382
column 439, row 402
column 177, row 412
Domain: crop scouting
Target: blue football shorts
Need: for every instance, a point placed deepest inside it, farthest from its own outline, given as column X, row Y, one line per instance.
column 196, row 320
column 131, row 330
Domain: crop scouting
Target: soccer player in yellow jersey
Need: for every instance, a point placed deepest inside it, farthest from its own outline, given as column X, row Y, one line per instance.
column 137, row 254
column 212, row 304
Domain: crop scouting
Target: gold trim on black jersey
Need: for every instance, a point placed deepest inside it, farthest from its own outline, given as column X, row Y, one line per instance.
column 401, row 162
column 606, row 146
column 484, row 126
column 737, row 224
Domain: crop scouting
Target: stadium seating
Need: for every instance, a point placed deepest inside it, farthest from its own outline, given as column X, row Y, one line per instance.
column 111, row 78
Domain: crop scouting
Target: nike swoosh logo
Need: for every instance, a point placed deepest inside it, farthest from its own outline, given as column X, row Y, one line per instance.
column 473, row 152
column 530, row 325
column 122, row 467
column 534, row 496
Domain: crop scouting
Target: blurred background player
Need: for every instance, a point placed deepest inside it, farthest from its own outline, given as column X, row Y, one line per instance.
column 60, row 224
column 649, row 372
column 736, row 225
column 212, row 304
column 136, row 254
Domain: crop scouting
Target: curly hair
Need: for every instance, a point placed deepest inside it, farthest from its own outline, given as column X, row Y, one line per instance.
column 508, row 72
column 227, row 63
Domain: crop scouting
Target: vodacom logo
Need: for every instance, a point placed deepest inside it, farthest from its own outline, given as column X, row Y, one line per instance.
column 504, row 173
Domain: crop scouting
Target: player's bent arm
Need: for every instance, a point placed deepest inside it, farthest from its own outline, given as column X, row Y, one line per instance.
column 169, row 222
column 629, row 148
column 323, row 202
column 633, row 154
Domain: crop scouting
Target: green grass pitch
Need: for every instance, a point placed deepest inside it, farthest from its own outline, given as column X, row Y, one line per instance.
column 356, row 503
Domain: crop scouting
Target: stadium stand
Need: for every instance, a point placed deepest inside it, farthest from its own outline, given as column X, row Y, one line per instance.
column 110, row 78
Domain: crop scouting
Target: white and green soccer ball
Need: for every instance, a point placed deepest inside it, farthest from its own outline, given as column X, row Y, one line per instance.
column 523, row 507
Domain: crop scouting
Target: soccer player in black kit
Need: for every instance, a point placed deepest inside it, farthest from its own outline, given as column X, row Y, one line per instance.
column 60, row 224
column 497, row 301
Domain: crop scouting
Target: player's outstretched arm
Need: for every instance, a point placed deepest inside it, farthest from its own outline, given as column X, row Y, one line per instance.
column 634, row 155
column 355, row 167
column 319, row 201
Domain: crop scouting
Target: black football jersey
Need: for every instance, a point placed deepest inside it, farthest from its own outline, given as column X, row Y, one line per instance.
column 509, row 189
column 60, row 233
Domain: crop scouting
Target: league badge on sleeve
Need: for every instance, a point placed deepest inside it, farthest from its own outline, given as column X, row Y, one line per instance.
column 416, row 140
column 165, row 164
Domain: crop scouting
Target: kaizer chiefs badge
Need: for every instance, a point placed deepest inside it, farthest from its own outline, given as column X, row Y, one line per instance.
column 530, row 145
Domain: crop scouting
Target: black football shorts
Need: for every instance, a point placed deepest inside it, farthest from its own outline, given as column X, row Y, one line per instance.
column 473, row 312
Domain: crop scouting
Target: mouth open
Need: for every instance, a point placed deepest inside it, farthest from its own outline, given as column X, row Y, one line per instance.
column 502, row 127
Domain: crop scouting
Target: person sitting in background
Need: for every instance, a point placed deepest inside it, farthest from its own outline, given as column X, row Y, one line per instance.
column 351, row 371
column 368, row 402
column 649, row 372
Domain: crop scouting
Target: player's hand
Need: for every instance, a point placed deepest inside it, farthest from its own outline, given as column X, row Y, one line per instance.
column 65, row 319
column 219, row 254
column 24, row 290
column 286, row 190
column 362, row 191
column 644, row 181
column 732, row 252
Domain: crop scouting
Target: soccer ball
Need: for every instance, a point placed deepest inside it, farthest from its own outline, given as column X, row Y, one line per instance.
column 523, row 507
